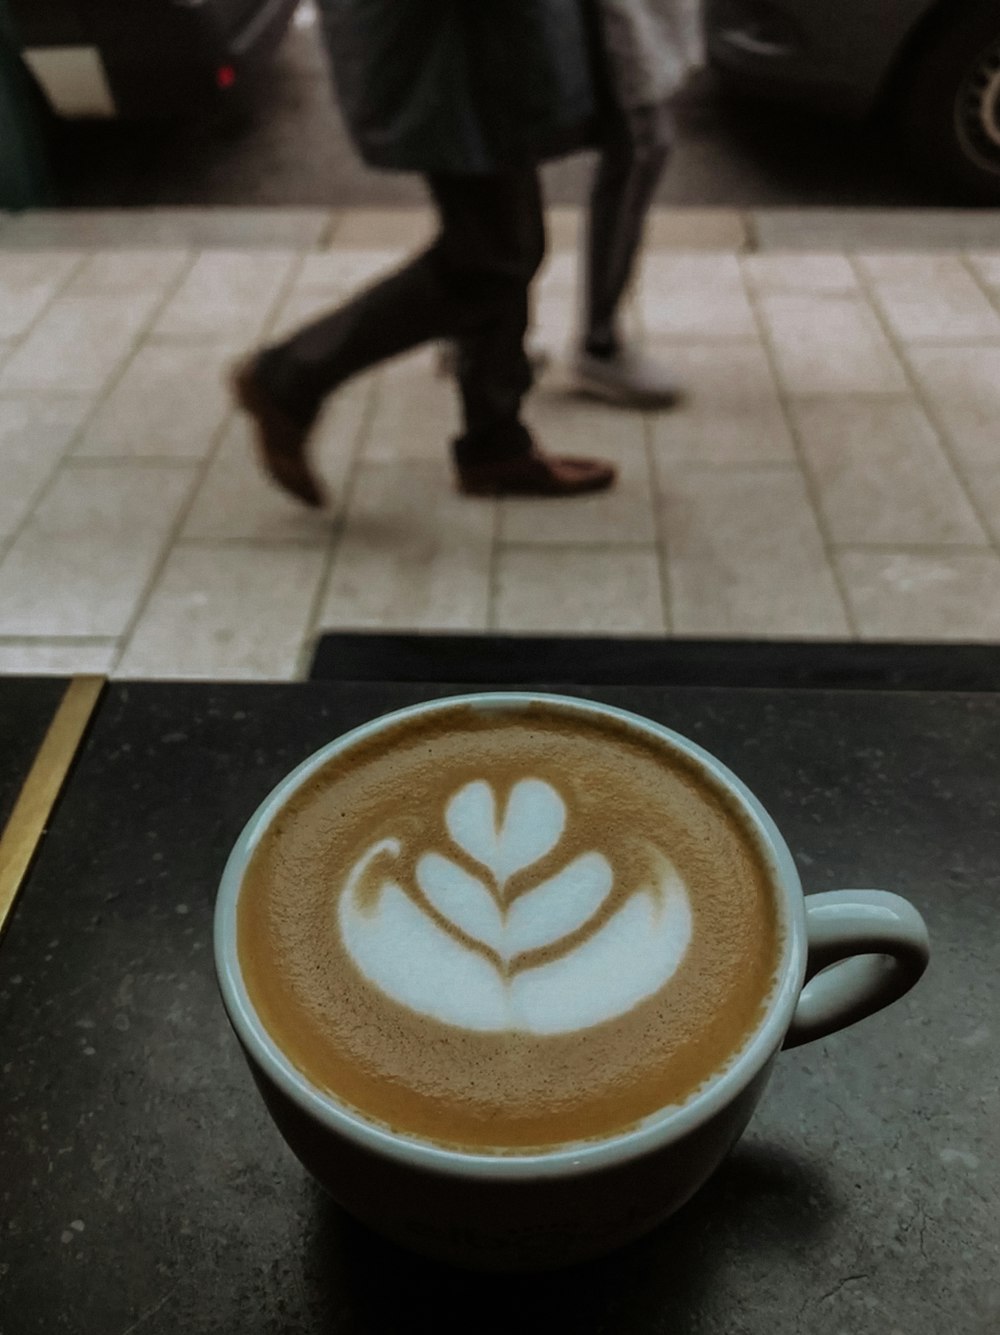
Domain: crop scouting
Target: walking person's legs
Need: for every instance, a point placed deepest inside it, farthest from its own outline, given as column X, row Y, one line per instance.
column 629, row 170
column 493, row 236
column 471, row 285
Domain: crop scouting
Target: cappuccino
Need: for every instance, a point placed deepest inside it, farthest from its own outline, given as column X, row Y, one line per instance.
column 509, row 930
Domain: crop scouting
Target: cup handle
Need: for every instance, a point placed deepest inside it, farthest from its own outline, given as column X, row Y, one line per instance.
column 866, row 949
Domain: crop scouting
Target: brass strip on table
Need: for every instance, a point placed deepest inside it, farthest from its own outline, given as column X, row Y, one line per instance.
column 21, row 838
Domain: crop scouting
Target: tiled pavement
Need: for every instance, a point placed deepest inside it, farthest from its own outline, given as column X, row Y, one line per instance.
column 835, row 471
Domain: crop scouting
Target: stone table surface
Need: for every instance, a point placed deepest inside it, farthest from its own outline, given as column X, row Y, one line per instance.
column 142, row 1187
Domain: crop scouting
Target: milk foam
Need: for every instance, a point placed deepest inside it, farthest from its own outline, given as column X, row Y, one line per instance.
column 508, row 930
column 532, row 825
column 417, row 943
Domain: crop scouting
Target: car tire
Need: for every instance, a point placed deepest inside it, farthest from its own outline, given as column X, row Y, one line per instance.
column 948, row 103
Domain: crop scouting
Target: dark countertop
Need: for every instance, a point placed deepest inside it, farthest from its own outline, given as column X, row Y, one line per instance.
column 143, row 1189
column 26, row 708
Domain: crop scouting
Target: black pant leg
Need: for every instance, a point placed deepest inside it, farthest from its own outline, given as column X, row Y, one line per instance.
column 397, row 313
column 493, row 243
column 631, row 164
column 470, row 285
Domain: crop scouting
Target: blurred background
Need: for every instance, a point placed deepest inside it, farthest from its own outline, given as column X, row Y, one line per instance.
column 821, row 276
column 883, row 102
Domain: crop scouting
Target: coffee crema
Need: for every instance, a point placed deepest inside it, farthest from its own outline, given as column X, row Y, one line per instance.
column 509, row 930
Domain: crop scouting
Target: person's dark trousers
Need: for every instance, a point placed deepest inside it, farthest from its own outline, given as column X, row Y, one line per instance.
column 634, row 153
column 470, row 286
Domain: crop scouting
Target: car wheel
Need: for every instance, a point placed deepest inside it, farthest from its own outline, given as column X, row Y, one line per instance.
column 948, row 103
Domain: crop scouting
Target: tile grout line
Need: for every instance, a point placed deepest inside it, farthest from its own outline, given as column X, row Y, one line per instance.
column 785, row 403
column 926, row 404
column 493, row 572
column 83, row 258
column 66, row 457
column 991, row 294
column 199, row 470
column 582, row 548
column 871, row 287
column 693, row 464
column 660, row 540
column 111, row 461
column 102, row 641
column 338, row 528
column 916, row 548
column 273, row 544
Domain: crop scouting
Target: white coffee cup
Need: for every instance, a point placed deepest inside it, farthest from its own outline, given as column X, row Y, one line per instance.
column 845, row 955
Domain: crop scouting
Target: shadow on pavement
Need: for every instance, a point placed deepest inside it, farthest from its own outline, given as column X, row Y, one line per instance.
column 762, row 1204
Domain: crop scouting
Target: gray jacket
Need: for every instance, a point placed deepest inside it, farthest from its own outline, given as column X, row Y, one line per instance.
column 465, row 86
column 648, row 56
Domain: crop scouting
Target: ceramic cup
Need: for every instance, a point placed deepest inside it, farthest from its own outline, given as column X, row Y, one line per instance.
column 844, row 955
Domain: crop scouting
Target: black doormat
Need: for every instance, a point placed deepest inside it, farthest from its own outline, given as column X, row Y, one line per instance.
column 573, row 661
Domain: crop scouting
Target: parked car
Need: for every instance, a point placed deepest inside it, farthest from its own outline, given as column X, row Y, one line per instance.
column 137, row 58
column 934, row 65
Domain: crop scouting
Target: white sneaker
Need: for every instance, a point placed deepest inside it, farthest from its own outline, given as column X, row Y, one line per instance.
column 627, row 378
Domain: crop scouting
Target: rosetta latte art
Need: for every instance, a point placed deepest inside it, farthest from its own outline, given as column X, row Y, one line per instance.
column 474, row 942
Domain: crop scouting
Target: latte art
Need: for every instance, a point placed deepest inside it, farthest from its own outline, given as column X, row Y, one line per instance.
column 513, row 929
column 462, row 944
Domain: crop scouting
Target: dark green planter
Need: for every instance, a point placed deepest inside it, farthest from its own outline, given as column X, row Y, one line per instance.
column 25, row 180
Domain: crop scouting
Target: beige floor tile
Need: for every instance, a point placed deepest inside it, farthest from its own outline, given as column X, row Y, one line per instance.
column 985, row 485
column 81, row 563
column 882, row 475
column 34, row 435
column 171, row 401
column 227, row 295
column 184, row 225
column 622, row 515
column 793, row 271
column 830, row 345
column 560, row 272
column 345, row 270
column 414, row 554
column 404, row 228
column 237, row 501
column 695, row 229
column 28, row 282
column 694, row 296
column 123, row 271
column 555, row 334
column 868, row 229
column 924, row 597
column 416, row 414
column 78, row 344
column 233, row 613
column 745, row 556
column 563, row 226
column 555, row 319
column 565, row 590
column 730, row 413
column 986, row 266
column 963, row 388
column 57, row 658
column 929, row 298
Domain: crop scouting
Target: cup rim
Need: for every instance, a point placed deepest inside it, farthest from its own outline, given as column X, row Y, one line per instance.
column 653, row 1132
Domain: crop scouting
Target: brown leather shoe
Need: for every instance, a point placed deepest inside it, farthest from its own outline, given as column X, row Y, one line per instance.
column 534, row 474
column 281, row 441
